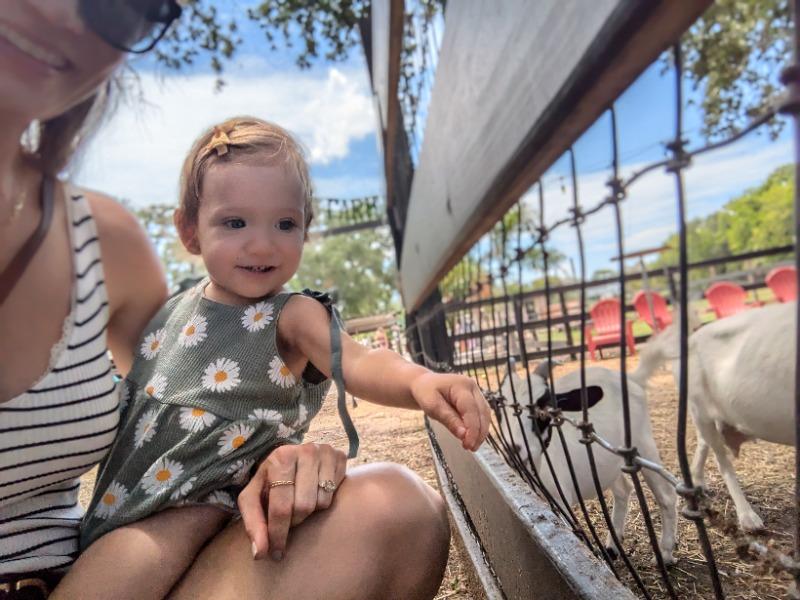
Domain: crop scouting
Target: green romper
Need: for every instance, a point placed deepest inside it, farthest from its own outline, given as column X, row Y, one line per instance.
column 210, row 397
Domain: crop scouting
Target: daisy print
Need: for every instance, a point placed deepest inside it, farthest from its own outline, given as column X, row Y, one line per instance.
column 152, row 344
column 257, row 316
column 279, row 373
column 145, row 428
column 220, row 498
column 124, row 396
column 161, row 476
column 193, row 332
column 266, row 414
column 195, row 419
column 285, row 432
column 184, row 490
column 240, row 471
column 114, row 496
column 156, row 386
column 221, row 375
column 302, row 415
column 233, row 438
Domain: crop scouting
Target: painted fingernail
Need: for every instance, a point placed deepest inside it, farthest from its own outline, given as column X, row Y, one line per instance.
column 277, row 555
column 254, row 549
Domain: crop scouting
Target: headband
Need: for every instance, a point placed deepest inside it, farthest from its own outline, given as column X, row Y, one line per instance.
column 219, row 142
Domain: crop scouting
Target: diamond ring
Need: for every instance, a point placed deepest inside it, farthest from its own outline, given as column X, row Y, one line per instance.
column 327, row 486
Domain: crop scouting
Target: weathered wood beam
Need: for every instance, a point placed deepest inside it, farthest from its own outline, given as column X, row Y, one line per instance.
column 517, row 83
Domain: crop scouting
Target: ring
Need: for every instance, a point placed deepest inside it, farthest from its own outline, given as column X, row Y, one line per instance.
column 279, row 483
column 327, row 486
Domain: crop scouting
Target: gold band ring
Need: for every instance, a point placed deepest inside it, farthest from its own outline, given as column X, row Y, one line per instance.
column 273, row 484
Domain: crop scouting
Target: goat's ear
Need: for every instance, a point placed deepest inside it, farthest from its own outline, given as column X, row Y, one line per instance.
column 571, row 401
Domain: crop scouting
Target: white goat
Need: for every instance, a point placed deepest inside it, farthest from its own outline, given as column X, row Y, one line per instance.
column 604, row 390
column 741, row 387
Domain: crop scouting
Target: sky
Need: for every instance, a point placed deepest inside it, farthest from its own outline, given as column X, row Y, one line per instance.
column 137, row 155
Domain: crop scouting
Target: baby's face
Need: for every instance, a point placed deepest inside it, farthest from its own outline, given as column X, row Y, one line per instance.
column 250, row 228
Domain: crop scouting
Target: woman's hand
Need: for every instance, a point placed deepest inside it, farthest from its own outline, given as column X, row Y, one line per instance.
column 457, row 403
column 308, row 466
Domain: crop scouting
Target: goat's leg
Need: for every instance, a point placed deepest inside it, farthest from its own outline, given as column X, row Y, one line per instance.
column 667, row 500
column 621, row 489
column 699, row 462
column 748, row 518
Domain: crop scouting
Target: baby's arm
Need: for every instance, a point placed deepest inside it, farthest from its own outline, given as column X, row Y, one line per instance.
column 384, row 377
column 142, row 560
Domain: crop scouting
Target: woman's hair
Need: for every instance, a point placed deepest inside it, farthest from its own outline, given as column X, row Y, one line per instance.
column 51, row 144
column 236, row 139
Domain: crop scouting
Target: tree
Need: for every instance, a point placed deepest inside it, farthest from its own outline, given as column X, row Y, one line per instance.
column 758, row 219
column 733, row 54
column 358, row 266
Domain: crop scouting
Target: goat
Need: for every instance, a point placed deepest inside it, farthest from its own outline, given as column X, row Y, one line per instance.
column 741, row 387
column 604, row 391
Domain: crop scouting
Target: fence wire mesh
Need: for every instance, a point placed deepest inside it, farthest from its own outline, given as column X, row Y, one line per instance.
column 494, row 312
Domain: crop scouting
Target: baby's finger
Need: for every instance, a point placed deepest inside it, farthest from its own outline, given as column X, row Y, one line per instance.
column 252, row 509
column 483, row 417
column 465, row 402
column 443, row 412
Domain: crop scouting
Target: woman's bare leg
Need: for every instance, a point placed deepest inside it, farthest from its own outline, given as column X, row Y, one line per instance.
column 385, row 536
column 141, row 561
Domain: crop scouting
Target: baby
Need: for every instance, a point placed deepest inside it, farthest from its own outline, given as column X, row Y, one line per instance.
column 232, row 368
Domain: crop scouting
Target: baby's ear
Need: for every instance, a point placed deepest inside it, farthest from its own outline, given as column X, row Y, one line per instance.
column 186, row 231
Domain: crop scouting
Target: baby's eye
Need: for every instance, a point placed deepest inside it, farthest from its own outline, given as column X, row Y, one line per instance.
column 234, row 223
column 286, row 224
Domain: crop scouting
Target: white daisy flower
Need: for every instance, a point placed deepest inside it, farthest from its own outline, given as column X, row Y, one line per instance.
column 145, row 428
column 241, row 471
column 302, row 416
column 156, row 386
column 257, row 316
column 195, row 419
column 111, row 500
column 234, row 437
column 221, row 498
column 221, row 375
column 193, row 332
column 161, row 476
column 279, row 373
column 124, row 396
column 153, row 343
column 184, row 490
column 285, row 432
column 266, row 414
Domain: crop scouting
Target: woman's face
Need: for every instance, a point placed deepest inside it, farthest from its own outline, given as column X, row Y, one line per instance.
column 49, row 59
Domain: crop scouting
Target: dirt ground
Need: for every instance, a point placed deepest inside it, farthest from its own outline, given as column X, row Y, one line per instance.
column 766, row 472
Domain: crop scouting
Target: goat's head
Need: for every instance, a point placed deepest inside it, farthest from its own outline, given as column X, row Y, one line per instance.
column 518, row 391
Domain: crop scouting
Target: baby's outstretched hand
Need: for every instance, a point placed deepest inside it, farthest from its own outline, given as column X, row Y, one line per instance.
column 457, row 403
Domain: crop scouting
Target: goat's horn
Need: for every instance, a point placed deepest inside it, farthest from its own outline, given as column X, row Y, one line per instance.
column 543, row 369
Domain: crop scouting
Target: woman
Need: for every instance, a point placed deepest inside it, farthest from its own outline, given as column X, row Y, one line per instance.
column 77, row 278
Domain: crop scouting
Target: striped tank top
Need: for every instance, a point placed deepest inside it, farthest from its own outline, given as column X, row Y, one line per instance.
column 63, row 425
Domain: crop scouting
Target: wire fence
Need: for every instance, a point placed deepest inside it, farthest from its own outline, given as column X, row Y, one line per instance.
column 567, row 446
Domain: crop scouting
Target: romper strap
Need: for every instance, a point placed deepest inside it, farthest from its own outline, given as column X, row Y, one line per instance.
column 336, row 368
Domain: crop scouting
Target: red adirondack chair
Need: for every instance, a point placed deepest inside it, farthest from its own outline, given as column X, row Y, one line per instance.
column 663, row 316
column 605, row 318
column 727, row 299
column 783, row 283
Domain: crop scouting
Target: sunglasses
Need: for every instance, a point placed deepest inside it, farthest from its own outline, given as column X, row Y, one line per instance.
column 133, row 26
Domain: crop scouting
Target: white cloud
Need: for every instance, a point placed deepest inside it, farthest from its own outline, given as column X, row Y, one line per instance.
column 650, row 210
column 138, row 154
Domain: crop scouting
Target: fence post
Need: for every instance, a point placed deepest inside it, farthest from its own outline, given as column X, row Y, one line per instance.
column 567, row 327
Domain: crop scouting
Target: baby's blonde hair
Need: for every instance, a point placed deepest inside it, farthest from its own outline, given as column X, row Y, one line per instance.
column 228, row 142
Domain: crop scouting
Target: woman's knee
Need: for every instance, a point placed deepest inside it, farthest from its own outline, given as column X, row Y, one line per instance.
column 401, row 507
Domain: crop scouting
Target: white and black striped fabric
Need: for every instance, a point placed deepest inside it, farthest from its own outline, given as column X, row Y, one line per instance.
column 63, row 425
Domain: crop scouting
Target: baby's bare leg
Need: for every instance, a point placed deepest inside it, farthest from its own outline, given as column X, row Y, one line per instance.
column 142, row 560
